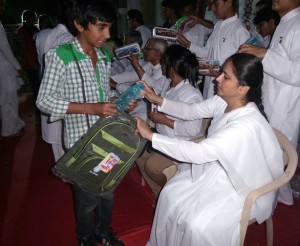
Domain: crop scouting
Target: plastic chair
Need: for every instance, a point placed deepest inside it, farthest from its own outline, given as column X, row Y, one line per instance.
column 290, row 158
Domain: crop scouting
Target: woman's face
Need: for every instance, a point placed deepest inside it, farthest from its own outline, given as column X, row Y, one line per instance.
column 227, row 83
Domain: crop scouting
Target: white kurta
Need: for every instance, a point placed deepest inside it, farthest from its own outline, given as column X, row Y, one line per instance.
column 281, row 87
column 197, row 34
column 8, row 66
column 145, row 32
column 224, row 41
column 45, row 40
column 202, row 203
column 9, row 84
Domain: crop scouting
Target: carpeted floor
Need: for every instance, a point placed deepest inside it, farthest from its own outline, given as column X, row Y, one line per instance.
column 36, row 207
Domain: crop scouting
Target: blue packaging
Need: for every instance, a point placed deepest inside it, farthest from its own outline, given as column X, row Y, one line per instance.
column 132, row 93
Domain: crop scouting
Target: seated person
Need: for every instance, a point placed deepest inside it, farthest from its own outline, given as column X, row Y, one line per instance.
column 180, row 68
column 150, row 65
column 202, row 203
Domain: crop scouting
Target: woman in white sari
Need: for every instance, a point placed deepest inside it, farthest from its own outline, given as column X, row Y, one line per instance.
column 202, row 203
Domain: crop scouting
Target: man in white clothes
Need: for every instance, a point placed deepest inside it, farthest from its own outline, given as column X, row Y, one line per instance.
column 45, row 40
column 10, row 70
column 152, row 54
column 228, row 34
column 281, row 87
column 136, row 21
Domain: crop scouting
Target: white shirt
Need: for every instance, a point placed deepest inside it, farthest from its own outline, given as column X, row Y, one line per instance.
column 8, row 66
column 281, row 87
column 185, row 129
column 145, row 32
column 45, row 40
column 197, row 34
column 223, row 42
column 49, row 38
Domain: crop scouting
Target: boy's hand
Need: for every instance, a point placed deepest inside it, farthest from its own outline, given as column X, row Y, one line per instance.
column 132, row 105
column 105, row 109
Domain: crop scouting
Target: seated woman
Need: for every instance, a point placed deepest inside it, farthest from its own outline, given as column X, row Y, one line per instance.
column 202, row 203
column 180, row 68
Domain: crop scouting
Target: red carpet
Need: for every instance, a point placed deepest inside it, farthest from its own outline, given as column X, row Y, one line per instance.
column 36, row 207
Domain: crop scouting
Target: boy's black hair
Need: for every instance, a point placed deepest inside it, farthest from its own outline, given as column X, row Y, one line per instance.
column 90, row 11
column 266, row 14
column 172, row 4
column 136, row 15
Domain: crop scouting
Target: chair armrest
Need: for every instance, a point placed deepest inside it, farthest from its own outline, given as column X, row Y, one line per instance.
column 255, row 194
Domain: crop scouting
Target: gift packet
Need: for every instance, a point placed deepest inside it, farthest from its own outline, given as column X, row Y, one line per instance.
column 165, row 33
column 205, row 64
column 127, row 50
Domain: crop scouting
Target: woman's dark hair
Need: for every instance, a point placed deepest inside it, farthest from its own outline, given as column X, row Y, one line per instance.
column 183, row 61
column 136, row 15
column 248, row 70
column 90, row 11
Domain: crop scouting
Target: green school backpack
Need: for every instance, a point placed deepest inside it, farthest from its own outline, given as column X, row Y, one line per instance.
column 100, row 159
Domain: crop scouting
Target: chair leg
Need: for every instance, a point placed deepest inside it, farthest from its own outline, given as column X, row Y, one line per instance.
column 269, row 225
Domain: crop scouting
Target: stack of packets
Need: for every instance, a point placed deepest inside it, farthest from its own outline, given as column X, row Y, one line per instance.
column 205, row 64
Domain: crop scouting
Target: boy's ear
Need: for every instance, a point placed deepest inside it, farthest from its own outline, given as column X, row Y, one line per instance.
column 78, row 26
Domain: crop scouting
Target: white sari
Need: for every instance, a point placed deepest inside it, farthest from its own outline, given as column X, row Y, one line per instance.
column 202, row 203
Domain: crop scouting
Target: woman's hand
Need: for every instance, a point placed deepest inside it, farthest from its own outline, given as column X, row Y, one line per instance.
column 143, row 129
column 149, row 93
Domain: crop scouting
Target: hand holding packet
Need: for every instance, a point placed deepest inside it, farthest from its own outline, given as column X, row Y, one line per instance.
column 127, row 50
column 165, row 33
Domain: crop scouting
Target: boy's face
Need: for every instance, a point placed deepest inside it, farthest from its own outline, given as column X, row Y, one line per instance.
column 95, row 34
column 220, row 9
column 284, row 6
column 265, row 28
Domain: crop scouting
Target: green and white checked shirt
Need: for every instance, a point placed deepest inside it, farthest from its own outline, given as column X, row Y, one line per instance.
column 62, row 84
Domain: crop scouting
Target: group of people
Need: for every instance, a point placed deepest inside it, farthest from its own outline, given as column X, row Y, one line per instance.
column 256, row 88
